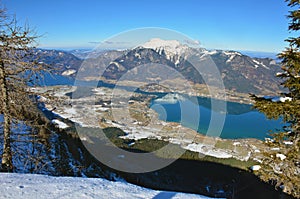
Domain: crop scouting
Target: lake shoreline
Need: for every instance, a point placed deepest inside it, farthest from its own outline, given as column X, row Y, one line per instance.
column 138, row 127
column 198, row 90
column 179, row 168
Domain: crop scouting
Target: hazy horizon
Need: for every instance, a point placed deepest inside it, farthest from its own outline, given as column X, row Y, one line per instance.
column 228, row 25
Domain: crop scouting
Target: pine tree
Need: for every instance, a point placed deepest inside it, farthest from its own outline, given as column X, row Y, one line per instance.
column 17, row 71
column 282, row 164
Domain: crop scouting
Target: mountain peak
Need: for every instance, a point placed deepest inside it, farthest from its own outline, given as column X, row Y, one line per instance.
column 157, row 43
column 169, row 47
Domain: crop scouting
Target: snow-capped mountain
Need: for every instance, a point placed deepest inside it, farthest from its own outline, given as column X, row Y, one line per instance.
column 239, row 72
column 172, row 49
column 168, row 47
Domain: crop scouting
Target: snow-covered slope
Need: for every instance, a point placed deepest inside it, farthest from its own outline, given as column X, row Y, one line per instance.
column 39, row 186
column 170, row 48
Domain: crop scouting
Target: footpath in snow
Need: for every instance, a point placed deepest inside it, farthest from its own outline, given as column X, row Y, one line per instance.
column 29, row 186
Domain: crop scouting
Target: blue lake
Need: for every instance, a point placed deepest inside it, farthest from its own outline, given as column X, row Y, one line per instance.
column 241, row 121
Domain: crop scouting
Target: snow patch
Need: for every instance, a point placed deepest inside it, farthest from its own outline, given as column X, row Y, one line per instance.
column 131, row 144
column 288, row 142
column 275, row 149
column 207, row 150
column 236, row 144
column 278, row 99
column 170, row 99
column 69, row 72
column 281, row 99
column 273, row 62
column 230, row 53
column 60, row 124
column 118, row 65
column 230, row 59
column 259, row 63
column 67, row 113
column 137, row 133
column 212, row 52
column 280, row 156
column 137, row 55
column 255, row 167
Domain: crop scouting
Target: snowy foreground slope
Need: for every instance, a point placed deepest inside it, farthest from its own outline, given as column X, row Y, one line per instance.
column 39, row 186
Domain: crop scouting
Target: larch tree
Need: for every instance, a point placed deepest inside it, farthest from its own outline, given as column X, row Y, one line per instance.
column 17, row 71
column 281, row 164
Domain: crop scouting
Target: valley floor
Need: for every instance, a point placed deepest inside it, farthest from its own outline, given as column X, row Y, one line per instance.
column 93, row 109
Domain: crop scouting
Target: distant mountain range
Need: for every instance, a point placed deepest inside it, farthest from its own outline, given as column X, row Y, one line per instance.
column 256, row 54
column 239, row 72
column 60, row 60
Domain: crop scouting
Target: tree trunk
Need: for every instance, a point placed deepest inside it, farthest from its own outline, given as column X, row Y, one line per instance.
column 7, row 153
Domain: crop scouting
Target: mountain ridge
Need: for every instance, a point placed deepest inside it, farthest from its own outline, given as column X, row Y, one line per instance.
column 240, row 73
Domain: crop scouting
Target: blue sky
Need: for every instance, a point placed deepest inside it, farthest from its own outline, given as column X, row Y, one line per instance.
column 255, row 25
